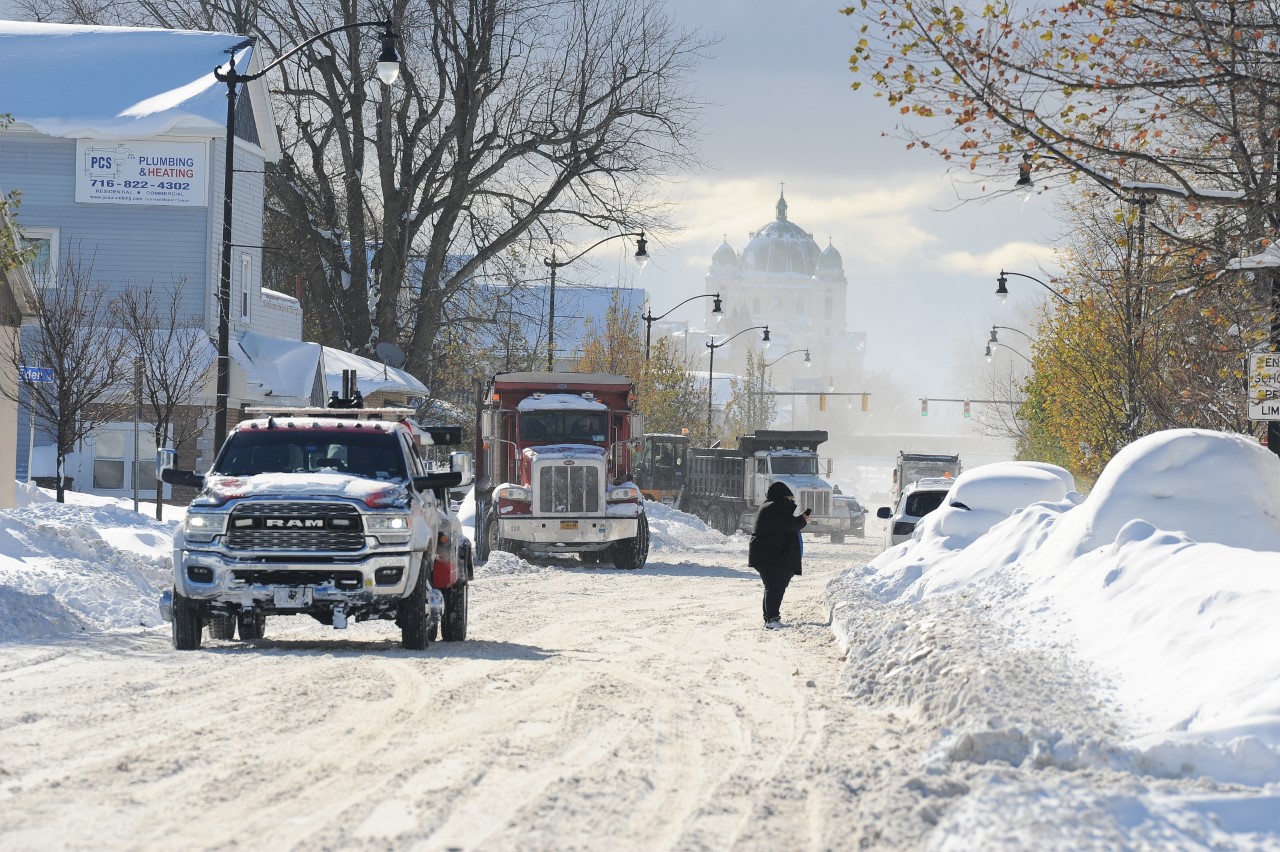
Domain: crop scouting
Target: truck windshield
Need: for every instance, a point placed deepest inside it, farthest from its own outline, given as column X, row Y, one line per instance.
column 795, row 464
column 370, row 453
column 569, row 427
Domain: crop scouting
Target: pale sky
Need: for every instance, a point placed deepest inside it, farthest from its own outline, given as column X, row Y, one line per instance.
column 921, row 276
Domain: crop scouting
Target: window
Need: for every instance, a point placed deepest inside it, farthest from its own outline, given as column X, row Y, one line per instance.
column 246, row 281
column 827, row 306
column 109, row 460
column 800, row 307
column 43, row 267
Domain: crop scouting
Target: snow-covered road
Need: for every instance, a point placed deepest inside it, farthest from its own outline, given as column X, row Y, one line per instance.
column 590, row 708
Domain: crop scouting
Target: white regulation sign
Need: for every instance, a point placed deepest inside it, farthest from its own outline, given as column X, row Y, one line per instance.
column 1264, row 386
column 153, row 172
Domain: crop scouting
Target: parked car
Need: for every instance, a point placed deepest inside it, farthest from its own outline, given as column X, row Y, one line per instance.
column 917, row 501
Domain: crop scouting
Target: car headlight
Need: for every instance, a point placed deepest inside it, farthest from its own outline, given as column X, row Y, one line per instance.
column 517, row 493
column 204, row 526
column 387, row 523
column 624, row 492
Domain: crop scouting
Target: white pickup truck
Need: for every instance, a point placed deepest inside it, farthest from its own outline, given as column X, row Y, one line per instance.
column 316, row 512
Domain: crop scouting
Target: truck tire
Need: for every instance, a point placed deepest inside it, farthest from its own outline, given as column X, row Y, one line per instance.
column 222, row 627
column 188, row 623
column 837, row 538
column 253, row 625
column 453, row 625
column 493, row 541
column 632, row 553
column 412, row 615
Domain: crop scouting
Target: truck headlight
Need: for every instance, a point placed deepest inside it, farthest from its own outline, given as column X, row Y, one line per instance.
column 386, row 523
column 518, row 493
column 204, row 526
column 624, row 493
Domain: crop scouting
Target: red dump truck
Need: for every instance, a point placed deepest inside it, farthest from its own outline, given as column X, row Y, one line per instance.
column 553, row 468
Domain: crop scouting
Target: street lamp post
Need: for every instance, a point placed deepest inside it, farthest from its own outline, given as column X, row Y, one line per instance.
column 995, row 341
column 388, row 70
column 650, row 319
column 988, row 353
column 1002, row 292
column 711, row 365
column 641, row 257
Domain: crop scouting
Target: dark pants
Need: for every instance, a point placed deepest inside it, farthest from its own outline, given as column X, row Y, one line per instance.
column 775, row 586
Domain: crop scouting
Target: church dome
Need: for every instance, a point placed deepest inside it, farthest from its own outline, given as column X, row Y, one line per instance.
column 830, row 263
column 724, row 256
column 781, row 247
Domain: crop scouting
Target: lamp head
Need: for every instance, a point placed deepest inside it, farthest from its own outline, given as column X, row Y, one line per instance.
column 389, row 59
column 1024, row 173
column 1002, row 292
column 642, row 251
column 994, row 341
column 987, row 354
column 716, row 307
column 807, row 362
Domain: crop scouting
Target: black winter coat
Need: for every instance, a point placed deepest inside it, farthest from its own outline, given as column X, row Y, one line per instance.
column 775, row 543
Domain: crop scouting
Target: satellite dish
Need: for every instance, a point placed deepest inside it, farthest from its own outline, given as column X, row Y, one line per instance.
column 390, row 354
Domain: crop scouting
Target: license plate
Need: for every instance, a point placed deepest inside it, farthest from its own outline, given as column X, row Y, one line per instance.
column 292, row 598
column 568, row 525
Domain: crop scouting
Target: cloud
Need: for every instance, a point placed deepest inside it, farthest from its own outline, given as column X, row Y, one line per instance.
column 1028, row 258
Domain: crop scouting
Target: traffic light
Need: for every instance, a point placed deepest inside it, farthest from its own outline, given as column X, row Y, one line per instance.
column 966, row 408
column 924, row 408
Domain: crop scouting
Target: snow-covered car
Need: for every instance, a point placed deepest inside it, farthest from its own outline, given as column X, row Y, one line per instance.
column 316, row 514
column 918, row 500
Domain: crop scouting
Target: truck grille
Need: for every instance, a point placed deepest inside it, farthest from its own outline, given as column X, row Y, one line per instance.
column 568, row 489
column 266, row 526
column 819, row 501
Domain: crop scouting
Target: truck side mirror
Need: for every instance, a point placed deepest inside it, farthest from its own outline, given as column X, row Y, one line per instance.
column 187, row 478
column 437, row 480
column 464, row 464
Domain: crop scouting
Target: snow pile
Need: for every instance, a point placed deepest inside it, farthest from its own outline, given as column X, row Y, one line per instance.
column 1166, row 580
column 69, row 568
column 673, row 530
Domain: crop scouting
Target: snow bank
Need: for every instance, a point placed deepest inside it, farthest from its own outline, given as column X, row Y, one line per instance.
column 70, row 568
column 1166, row 579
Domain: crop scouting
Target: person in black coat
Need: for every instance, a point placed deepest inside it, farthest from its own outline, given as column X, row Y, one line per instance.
column 775, row 548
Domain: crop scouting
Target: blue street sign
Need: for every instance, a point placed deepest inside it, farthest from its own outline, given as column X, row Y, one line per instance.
column 35, row 374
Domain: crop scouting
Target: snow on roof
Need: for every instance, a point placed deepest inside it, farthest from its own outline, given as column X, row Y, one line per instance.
column 287, row 368
column 284, row 368
column 373, row 376
column 123, row 82
column 560, row 401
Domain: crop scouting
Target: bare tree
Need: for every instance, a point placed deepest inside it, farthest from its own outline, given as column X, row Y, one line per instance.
column 752, row 405
column 175, row 354
column 73, row 338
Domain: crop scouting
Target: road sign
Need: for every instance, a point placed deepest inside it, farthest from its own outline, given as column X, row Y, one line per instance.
column 36, row 374
column 1264, row 386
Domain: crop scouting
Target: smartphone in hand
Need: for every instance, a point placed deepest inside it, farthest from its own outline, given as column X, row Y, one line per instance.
column 808, row 512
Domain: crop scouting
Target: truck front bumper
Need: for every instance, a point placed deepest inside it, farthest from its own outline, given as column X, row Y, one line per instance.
column 566, row 535
column 210, row 576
